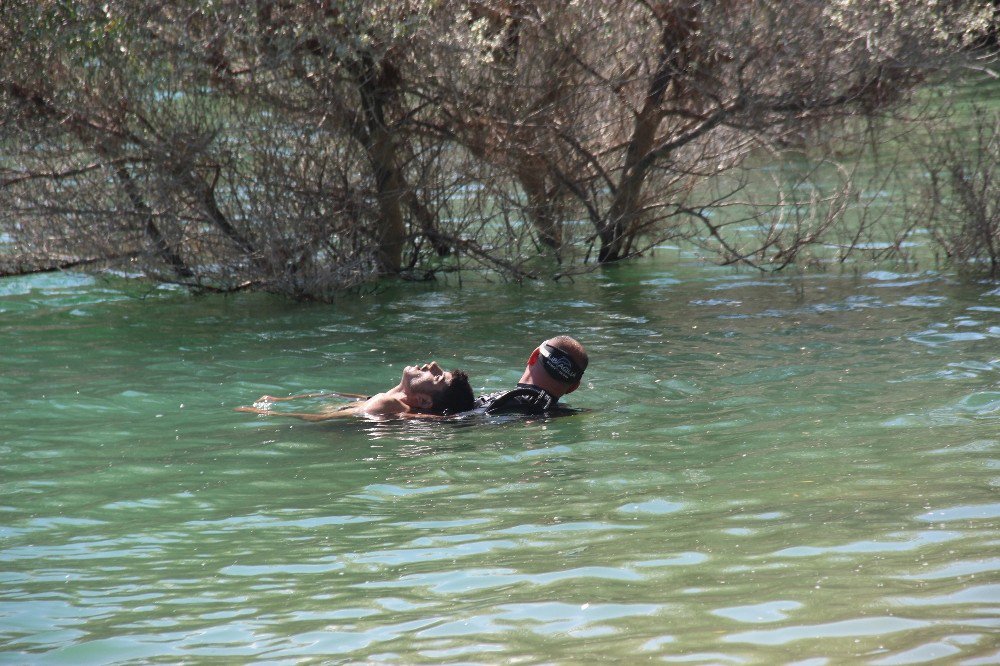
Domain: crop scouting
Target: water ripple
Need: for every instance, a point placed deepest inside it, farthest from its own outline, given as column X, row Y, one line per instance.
column 986, row 595
column 968, row 512
column 653, row 506
column 404, row 556
column 547, row 618
column 679, row 560
column 868, row 626
column 914, row 542
column 935, row 651
column 956, row 570
column 770, row 611
column 739, row 492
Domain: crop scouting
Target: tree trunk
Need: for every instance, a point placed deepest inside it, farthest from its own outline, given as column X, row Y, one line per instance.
column 391, row 230
column 161, row 248
column 376, row 86
column 619, row 227
column 540, row 207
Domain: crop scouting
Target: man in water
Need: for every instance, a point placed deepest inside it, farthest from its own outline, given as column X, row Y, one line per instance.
column 554, row 369
column 423, row 391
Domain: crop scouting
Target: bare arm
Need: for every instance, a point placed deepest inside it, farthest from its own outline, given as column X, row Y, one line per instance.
column 332, row 394
column 349, row 410
column 380, row 404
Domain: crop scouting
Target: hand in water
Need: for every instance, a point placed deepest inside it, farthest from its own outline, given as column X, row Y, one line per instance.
column 265, row 402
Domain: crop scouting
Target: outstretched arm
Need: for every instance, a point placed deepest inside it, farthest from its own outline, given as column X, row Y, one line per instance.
column 332, row 394
column 349, row 410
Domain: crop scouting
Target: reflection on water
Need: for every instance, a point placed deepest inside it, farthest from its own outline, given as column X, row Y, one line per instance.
column 764, row 470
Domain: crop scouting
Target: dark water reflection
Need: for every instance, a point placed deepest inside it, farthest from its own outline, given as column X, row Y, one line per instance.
column 768, row 470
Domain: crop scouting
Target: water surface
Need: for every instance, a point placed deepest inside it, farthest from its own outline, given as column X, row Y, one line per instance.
column 769, row 470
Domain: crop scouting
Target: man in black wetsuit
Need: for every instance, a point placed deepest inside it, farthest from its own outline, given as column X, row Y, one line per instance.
column 554, row 369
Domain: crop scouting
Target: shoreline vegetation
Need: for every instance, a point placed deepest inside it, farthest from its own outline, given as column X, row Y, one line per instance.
column 307, row 149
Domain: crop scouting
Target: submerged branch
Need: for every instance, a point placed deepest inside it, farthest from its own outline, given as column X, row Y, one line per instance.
column 19, row 266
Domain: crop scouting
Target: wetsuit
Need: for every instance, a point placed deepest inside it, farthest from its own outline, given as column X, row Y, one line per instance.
column 531, row 399
column 525, row 399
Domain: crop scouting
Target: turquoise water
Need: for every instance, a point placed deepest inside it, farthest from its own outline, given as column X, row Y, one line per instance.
column 770, row 470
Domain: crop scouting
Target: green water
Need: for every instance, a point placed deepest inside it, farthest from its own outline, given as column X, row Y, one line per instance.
column 771, row 470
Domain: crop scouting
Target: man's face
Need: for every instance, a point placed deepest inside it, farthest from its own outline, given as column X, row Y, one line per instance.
column 428, row 379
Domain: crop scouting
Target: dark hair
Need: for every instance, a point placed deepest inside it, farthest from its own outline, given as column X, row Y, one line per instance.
column 456, row 397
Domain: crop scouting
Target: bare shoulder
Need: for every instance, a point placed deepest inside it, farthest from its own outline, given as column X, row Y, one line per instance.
column 382, row 404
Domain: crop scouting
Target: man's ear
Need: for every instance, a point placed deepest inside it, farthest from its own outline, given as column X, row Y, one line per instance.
column 573, row 387
column 534, row 357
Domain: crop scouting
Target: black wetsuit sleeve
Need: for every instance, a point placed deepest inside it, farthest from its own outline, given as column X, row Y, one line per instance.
column 522, row 400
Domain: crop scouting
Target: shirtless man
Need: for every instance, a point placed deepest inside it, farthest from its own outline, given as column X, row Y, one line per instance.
column 423, row 391
column 554, row 369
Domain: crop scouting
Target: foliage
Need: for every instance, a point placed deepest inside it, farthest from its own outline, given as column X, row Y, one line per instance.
column 962, row 193
column 303, row 148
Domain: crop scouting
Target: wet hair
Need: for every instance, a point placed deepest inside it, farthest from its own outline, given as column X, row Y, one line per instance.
column 455, row 397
